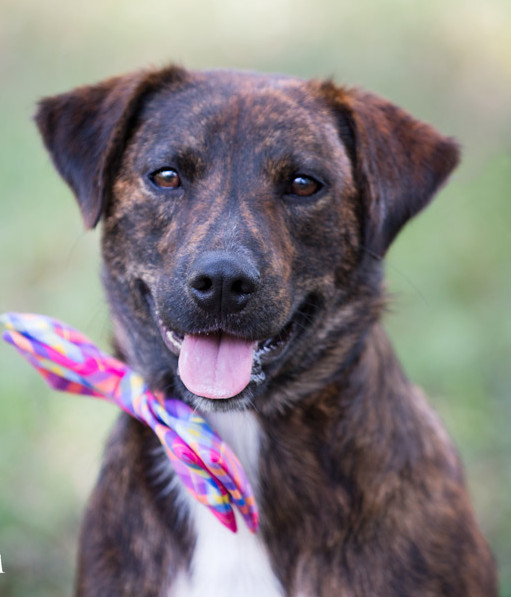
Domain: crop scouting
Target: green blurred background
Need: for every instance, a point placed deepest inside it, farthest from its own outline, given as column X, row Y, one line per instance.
column 446, row 61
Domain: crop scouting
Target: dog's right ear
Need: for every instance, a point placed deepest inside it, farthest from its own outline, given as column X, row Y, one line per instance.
column 85, row 131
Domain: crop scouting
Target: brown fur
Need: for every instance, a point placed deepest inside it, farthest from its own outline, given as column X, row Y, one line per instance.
column 362, row 493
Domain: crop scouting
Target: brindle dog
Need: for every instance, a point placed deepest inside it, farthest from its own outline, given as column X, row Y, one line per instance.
column 244, row 221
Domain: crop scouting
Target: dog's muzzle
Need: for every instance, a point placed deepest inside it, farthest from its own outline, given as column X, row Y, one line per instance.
column 218, row 364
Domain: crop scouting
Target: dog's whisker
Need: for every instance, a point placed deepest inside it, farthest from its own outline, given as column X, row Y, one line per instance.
column 372, row 253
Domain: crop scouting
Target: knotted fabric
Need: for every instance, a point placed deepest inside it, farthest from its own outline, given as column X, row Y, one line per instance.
column 70, row 362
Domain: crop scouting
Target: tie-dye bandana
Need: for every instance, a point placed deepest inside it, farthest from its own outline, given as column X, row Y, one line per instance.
column 70, row 362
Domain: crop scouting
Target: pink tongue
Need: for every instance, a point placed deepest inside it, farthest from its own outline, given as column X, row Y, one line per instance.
column 216, row 366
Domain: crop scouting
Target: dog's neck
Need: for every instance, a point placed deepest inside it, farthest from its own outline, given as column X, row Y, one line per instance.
column 360, row 411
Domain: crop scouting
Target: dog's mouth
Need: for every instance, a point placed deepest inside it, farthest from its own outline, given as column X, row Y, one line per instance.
column 219, row 365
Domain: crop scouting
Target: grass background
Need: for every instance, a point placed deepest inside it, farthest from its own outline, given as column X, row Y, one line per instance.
column 446, row 61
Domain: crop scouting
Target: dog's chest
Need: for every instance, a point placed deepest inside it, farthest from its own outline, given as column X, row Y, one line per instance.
column 226, row 564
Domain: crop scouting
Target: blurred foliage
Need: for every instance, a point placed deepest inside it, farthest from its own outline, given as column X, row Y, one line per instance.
column 446, row 61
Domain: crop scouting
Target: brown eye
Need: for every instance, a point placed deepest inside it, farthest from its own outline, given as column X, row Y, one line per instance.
column 304, row 186
column 166, row 178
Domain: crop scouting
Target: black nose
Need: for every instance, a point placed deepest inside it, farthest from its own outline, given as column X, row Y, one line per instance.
column 222, row 282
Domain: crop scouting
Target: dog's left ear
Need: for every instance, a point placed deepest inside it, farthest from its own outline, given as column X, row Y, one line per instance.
column 85, row 132
column 398, row 162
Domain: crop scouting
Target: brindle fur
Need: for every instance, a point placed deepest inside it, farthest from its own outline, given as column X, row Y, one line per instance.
column 362, row 493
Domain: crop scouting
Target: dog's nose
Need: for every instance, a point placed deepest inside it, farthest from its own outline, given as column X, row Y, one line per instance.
column 222, row 282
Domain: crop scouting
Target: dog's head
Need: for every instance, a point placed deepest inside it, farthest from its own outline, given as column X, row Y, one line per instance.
column 244, row 218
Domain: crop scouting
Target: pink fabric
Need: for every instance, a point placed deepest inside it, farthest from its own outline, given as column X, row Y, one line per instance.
column 70, row 362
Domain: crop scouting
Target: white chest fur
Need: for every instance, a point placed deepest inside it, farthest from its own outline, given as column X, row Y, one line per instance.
column 229, row 564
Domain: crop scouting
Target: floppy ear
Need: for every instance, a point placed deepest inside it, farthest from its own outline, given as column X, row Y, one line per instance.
column 399, row 162
column 85, row 131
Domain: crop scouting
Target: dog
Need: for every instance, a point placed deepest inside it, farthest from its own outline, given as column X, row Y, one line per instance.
column 245, row 218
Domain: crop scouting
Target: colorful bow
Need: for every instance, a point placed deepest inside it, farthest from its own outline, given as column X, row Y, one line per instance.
column 70, row 362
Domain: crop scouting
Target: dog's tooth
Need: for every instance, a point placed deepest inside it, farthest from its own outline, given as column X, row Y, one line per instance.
column 172, row 338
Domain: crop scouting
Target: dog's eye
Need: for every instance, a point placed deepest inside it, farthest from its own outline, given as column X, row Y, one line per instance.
column 165, row 178
column 303, row 186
